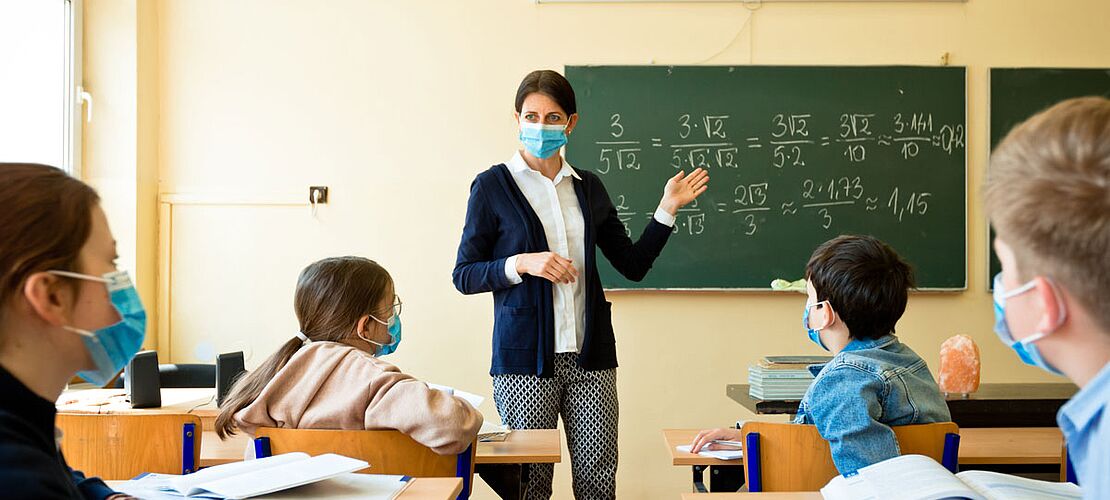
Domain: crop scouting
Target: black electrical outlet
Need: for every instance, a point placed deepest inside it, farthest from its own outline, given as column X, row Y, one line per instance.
column 317, row 194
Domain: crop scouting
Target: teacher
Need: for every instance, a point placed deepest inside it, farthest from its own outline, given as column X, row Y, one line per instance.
column 532, row 227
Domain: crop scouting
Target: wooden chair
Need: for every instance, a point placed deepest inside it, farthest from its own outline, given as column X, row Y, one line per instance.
column 1067, row 470
column 794, row 457
column 388, row 452
column 122, row 446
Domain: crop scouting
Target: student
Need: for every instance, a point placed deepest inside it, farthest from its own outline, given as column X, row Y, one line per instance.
column 1048, row 198
column 64, row 310
column 858, row 287
column 330, row 375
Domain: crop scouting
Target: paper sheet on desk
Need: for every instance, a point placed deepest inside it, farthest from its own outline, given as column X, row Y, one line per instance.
column 493, row 432
column 474, row 399
column 80, row 399
column 718, row 454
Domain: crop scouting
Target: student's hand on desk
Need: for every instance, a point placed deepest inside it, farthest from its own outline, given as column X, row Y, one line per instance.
column 705, row 439
column 682, row 189
column 547, row 265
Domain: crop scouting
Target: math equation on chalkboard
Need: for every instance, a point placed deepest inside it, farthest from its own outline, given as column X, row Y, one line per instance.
column 796, row 155
column 707, row 142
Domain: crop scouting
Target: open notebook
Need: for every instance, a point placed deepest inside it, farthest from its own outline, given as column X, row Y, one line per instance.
column 917, row 477
column 720, row 454
column 249, row 478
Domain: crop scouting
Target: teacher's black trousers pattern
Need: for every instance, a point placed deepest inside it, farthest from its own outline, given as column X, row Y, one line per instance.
column 587, row 401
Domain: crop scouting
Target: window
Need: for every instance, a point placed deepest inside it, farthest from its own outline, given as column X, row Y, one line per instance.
column 40, row 107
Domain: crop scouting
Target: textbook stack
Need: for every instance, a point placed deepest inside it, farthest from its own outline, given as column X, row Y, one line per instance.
column 782, row 378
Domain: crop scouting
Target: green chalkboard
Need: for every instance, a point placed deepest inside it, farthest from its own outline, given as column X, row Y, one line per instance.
column 796, row 156
column 1018, row 93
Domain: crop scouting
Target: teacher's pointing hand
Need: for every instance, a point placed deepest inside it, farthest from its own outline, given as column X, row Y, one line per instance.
column 682, row 189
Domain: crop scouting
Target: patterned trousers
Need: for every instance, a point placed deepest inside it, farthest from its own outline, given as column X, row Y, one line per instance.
column 587, row 401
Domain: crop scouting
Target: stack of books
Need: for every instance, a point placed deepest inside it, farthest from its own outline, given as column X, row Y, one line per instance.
column 782, row 378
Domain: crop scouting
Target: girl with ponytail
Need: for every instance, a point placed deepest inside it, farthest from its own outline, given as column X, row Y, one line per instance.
column 330, row 375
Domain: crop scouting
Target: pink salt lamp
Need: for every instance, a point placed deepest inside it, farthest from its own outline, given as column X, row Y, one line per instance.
column 959, row 366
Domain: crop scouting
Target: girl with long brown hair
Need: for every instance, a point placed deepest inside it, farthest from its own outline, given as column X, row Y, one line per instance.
column 64, row 309
column 330, row 374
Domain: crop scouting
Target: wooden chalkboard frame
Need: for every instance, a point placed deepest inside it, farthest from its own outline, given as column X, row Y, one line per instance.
column 766, row 289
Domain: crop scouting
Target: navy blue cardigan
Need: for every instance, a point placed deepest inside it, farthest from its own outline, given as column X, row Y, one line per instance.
column 500, row 223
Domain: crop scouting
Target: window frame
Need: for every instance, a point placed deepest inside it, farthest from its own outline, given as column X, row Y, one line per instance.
column 75, row 95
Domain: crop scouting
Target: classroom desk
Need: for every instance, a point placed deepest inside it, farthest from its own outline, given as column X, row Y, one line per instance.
column 994, row 405
column 213, row 451
column 978, row 446
column 1011, row 445
column 499, row 463
column 502, row 464
column 200, row 402
column 423, row 488
column 726, row 475
column 535, row 446
column 538, row 446
column 432, row 488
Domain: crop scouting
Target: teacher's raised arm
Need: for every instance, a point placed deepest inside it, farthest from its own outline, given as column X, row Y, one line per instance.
column 532, row 229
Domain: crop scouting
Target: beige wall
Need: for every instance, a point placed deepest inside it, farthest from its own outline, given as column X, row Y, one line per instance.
column 119, row 148
column 397, row 105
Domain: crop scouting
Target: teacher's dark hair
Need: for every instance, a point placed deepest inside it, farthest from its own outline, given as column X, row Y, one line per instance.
column 548, row 83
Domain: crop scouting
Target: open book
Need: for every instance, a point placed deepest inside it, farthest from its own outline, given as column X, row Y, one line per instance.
column 252, row 478
column 916, row 477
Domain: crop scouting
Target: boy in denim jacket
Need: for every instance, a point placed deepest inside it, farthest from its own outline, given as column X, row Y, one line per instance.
column 858, row 287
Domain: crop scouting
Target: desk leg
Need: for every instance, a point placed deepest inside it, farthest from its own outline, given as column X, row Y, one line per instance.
column 699, row 479
column 726, row 478
column 723, row 478
column 509, row 481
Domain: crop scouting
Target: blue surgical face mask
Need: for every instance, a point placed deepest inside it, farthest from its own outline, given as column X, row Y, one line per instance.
column 542, row 141
column 814, row 335
column 113, row 346
column 394, row 329
column 1026, row 348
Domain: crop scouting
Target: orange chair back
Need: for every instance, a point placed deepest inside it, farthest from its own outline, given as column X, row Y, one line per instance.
column 388, row 452
column 794, row 457
column 122, row 446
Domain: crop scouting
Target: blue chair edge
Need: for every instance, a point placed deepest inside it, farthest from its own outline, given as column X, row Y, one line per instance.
column 188, row 448
column 751, row 457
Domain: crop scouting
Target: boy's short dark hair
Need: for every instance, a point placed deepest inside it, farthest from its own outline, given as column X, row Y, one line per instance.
column 864, row 280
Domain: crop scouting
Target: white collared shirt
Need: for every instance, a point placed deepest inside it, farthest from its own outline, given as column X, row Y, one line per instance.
column 556, row 205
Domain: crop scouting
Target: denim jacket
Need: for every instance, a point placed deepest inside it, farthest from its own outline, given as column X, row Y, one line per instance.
column 868, row 387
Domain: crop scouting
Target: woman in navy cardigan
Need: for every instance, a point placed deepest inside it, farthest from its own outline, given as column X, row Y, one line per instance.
column 532, row 227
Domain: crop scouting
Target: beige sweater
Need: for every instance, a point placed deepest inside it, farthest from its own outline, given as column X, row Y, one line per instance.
column 328, row 385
